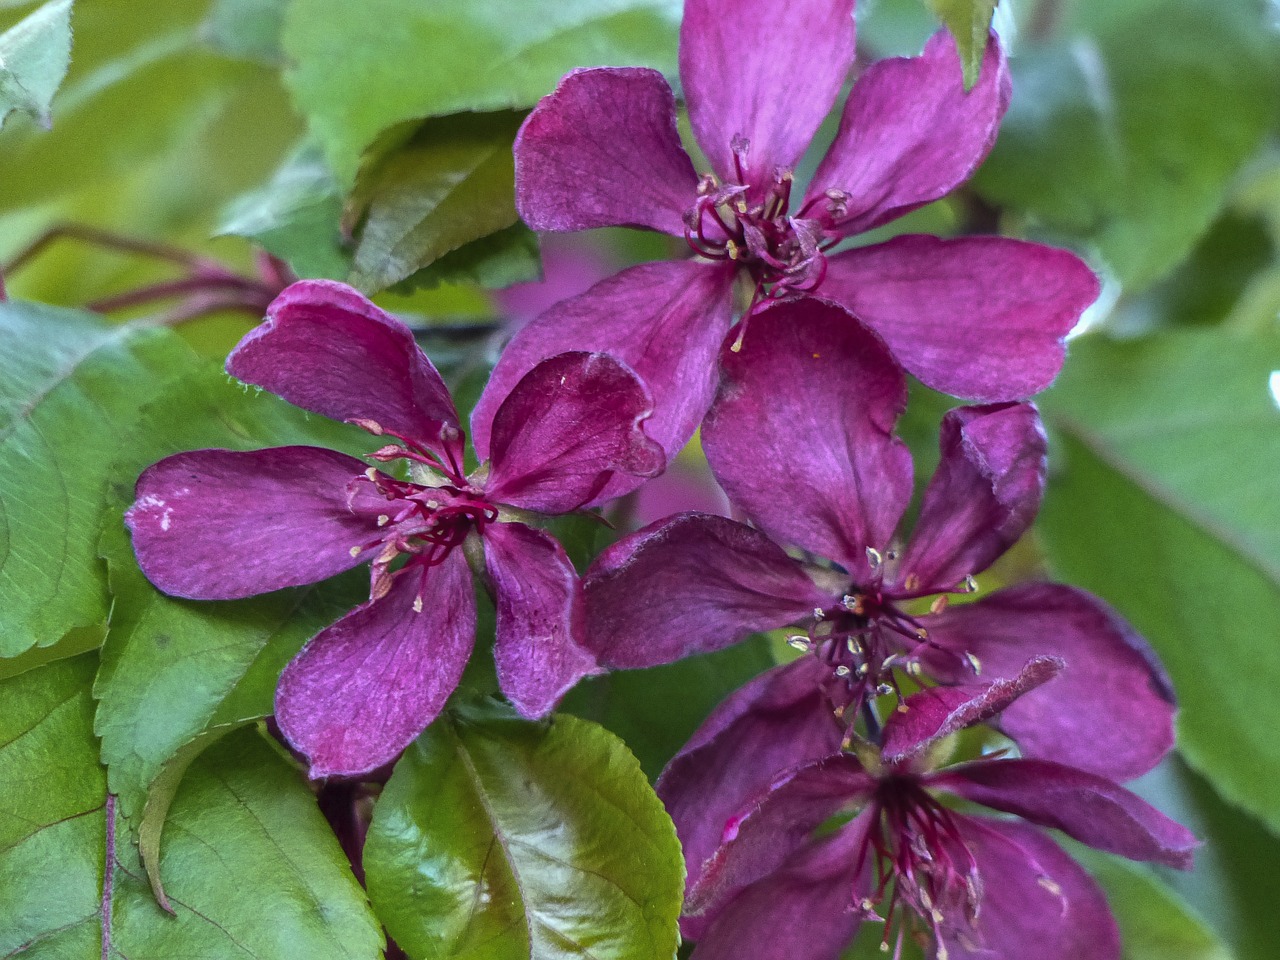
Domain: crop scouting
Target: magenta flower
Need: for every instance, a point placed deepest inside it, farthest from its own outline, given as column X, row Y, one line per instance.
column 977, row 317
column 801, row 438
column 971, row 886
column 218, row 524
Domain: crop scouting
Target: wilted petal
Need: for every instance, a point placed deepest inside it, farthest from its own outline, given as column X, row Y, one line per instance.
column 936, row 712
column 801, row 910
column 1032, row 893
column 983, row 496
column 363, row 688
column 324, row 347
column 602, row 151
column 1111, row 709
column 1082, row 805
column 779, row 821
column 910, row 133
column 664, row 320
column 222, row 524
column 569, row 425
column 767, row 73
column 777, row 721
column 538, row 644
column 977, row 317
column 801, row 432
column 690, row 584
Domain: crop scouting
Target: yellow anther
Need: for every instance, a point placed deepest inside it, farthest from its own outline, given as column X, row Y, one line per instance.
column 912, row 582
column 383, row 519
column 355, row 551
column 939, row 604
column 371, row 473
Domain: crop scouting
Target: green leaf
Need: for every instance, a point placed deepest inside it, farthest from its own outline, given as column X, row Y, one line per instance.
column 248, row 844
column 498, row 260
column 1163, row 500
column 170, row 666
column 296, row 215
column 501, row 839
column 1121, row 138
column 249, row 29
column 450, row 182
column 969, row 22
column 34, row 54
column 348, row 74
column 70, row 391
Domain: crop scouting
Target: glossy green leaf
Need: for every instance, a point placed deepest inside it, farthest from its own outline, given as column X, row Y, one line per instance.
column 452, row 181
column 1163, row 499
column 969, row 22
column 296, row 215
column 171, row 665
column 498, row 260
column 501, row 839
column 1130, row 137
column 34, row 54
column 353, row 77
column 248, row 844
column 70, row 392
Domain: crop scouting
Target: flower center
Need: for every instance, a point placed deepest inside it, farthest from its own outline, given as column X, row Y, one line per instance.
column 921, row 864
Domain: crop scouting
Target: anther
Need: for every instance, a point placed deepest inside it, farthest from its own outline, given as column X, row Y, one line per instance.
column 939, row 603
column 383, row 519
column 874, row 558
column 842, row 671
column 912, row 582
column 798, row 643
column 969, row 585
column 974, row 662
column 417, row 604
column 819, row 613
column 355, row 551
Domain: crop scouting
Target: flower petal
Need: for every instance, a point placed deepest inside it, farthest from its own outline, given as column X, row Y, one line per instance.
column 983, row 496
column 935, row 712
column 767, row 73
column 324, row 347
column 222, row 524
column 977, row 317
column 777, row 721
column 910, row 133
column 1032, row 893
column 779, row 821
column 665, row 320
column 363, row 688
column 538, row 646
column 800, row 910
column 602, row 151
column 1082, row 805
column 569, row 425
column 1110, row 711
column 801, row 433
column 690, row 584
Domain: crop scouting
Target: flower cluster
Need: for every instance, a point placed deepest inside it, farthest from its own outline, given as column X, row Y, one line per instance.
column 811, row 800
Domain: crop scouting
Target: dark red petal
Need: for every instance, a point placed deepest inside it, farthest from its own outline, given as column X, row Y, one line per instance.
column 910, row 133
column 976, row 317
column 324, row 347
column 983, row 496
column 361, row 690
column 1111, row 709
column 690, row 584
column 567, row 428
column 222, row 524
column 602, row 151
column 766, row 73
column 801, row 432
column 538, row 645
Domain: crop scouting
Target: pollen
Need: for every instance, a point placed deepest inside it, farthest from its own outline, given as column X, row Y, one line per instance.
column 417, row 604
column 383, row 519
column 817, row 356
column 939, row 604
column 355, row 551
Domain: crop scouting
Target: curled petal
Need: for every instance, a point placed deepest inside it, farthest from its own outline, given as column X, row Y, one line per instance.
column 223, row 524
column 690, row 584
column 569, row 425
column 1031, row 893
column 911, row 133
column 804, row 909
column 538, row 645
column 976, row 317
column 936, row 712
column 602, row 151
column 777, row 721
column 1082, row 805
column 1111, row 709
column 326, row 348
column 664, row 320
column 801, row 432
column 362, row 689
column 763, row 73
column 983, row 496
